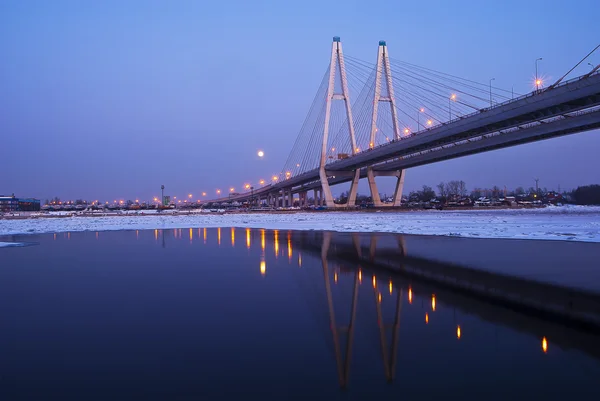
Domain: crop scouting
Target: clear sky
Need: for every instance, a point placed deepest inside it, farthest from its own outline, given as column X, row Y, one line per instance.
column 111, row 99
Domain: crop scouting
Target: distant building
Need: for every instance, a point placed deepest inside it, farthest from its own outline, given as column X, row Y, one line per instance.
column 14, row 204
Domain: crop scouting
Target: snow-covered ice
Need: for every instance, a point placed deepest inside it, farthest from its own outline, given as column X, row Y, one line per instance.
column 7, row 244
column 556, row 223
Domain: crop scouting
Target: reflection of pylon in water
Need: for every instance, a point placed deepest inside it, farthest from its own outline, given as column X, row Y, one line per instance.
column 389, row 359
column 342, row 361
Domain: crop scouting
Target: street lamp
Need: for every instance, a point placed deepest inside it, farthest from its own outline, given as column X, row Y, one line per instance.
column 591, row 65
column 218, row 191
column 492, row 79
column 162, row 193
column 421, row 110
column 537, row 80
column 450, row 99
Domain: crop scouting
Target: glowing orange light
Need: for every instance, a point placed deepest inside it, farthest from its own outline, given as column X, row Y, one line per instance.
column 275, row 178
column 410, row 295
column 262, row 239
column 379, row 298
column 190, row 196
column 262, row 182
column 260, row 153
column 374, row 282
column 426, row 318
column 370, row 144
column 390, row 287
column 429, row 122
column 203, row 193
column 358, row 149
column 276, row 242
column 453, row 97
column 247, row 186
column 458, row 332
column 406, row 130
column 232, row 236
column 422, row 110
column 263, row 267
column 231, row 189
column 218, row 191
column 248, row 238
column 219, row 235
column 544, row 345
column 433, row 303
column 538, row 82
column 360, row 276
column 335, row 277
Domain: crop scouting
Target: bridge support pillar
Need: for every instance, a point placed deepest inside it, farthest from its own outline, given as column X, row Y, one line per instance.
column 397, row 198
column 337, row 60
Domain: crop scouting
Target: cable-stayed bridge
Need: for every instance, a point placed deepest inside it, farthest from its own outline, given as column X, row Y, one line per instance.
column 406, row 116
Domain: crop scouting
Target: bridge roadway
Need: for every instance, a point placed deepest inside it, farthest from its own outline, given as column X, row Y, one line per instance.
column 569, row 108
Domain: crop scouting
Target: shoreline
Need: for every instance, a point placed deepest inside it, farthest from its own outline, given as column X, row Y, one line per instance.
column 581, row 224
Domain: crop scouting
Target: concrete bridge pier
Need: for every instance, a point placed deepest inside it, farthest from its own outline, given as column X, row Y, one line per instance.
column 397, row 197
column 303, row 199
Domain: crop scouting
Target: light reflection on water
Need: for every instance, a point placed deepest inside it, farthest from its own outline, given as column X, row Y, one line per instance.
column 370, row 330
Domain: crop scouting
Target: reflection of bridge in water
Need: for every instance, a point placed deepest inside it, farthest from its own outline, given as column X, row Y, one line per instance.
column 556, row 316
column 565, row 317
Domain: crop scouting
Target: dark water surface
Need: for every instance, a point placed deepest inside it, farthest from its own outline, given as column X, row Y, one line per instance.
column 211, row 314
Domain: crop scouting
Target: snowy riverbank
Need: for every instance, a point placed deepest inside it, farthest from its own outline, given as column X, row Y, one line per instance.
column 553, row 223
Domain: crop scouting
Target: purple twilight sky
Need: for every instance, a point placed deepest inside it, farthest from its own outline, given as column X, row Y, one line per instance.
column 109, row 100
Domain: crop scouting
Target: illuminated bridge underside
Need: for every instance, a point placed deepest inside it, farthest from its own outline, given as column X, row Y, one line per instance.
column 570, row 108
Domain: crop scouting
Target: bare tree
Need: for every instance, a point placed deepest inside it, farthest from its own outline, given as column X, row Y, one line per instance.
column 442, row 189
column 452, row 188
column 462, row 188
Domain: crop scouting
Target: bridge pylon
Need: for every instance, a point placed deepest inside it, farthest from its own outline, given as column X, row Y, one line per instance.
column 384, row 71
column 337, row 60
